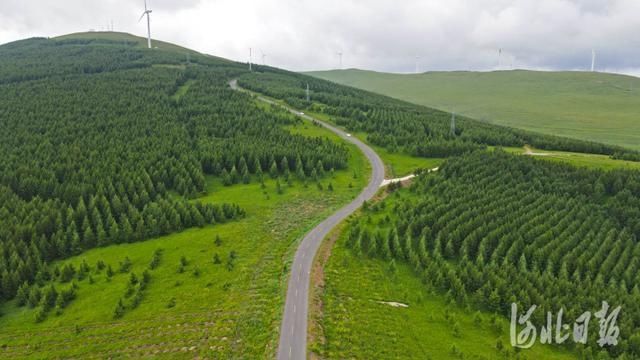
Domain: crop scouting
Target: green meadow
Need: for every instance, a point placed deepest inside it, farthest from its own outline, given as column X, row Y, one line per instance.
column 603, row 162
column 599, row 107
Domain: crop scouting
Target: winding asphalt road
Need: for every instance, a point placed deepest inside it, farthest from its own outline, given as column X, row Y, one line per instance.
column 293, row 332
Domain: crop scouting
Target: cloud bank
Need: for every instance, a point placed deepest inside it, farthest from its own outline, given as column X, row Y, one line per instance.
column 396, row 36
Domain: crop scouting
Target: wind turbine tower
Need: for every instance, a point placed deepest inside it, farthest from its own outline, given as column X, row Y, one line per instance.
column 417, row 61
column 308, row 95
column 340, row 56
column 147, row 12
column 593, row 60
column 263, row 57
column 250, row 59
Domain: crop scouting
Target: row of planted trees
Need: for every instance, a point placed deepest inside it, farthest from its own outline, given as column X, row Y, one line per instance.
column 486, row 232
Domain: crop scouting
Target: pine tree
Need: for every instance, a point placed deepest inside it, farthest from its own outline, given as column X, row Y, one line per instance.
column 119, row 311
column 35, row 294
column 242, row 166
column 257, row 167
column 320, row 168
column 246, row 178
column 284, row 165
column 101, row 235
column 127, row 234
column 273, row 170
column 300, row 173
column 22, row 295
column 382, row 243
column 226, row 178
column 258, row 171
column 235, row 177
column 88, row 237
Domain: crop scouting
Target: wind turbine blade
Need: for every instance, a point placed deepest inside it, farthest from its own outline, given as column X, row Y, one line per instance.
column 141, row 16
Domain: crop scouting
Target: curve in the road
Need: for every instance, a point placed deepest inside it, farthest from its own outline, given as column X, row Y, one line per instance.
column 293, row 330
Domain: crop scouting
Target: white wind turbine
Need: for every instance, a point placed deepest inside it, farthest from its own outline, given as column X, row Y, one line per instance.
column 264, row 56
column 147, row 12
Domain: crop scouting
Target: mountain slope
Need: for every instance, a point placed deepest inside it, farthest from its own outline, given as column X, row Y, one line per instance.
column 146, row 209
column 591, row 106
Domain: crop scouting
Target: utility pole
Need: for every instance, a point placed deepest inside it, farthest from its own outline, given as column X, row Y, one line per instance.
column 453, row 123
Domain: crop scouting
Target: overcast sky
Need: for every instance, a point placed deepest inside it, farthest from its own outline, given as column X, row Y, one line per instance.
column 381, row 35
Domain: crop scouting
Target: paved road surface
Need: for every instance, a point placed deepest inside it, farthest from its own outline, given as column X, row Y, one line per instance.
column 293, row 332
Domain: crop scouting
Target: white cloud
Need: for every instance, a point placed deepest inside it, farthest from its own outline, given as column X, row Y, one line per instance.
column 376, row 34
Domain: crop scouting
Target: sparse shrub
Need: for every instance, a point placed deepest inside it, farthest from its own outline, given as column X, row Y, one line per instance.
column 118, row 312
column 125, row 265
column 171, row 303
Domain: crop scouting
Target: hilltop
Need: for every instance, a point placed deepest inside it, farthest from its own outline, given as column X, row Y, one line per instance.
column 139, row 41
column 599, row 107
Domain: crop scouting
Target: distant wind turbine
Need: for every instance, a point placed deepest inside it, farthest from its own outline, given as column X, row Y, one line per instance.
column 263, row 57
column 147, row 12
column 250, row 59
column 340, row 56
column 417, row 60
column 593, row 60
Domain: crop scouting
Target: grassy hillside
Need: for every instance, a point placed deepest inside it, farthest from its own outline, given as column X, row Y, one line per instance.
column 203, row 308
column 358, row 312
column 115, row 155
column 486, row 230
column 591, row 106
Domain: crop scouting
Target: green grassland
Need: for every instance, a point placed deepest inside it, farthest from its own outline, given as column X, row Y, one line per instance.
column 398, row 164
column 591, row 106
column 205, row 309
column 354, row 316
column 578, row 159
